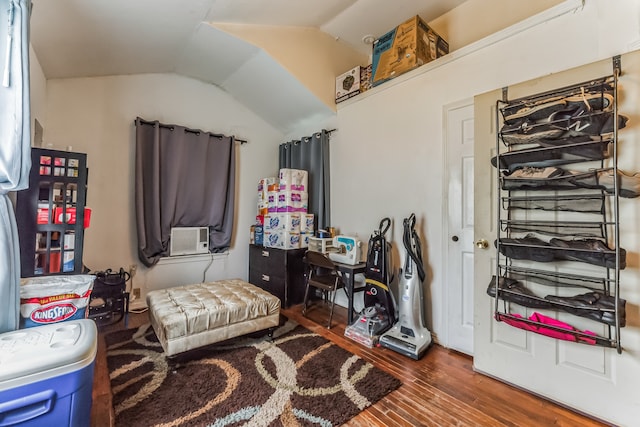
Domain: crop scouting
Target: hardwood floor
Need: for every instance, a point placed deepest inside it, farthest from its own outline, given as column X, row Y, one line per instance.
column 441, row 389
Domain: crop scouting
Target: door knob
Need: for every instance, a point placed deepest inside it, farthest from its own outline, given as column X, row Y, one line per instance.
column 482, row 244
column 454, row 238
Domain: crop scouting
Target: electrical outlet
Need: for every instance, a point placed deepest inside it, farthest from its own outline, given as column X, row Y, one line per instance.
column 132, row 269
column 136, row 292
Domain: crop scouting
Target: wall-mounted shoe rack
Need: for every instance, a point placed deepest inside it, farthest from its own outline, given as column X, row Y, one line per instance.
column 558, row 222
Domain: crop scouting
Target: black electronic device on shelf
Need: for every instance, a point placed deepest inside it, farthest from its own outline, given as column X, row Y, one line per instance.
column 109, row 301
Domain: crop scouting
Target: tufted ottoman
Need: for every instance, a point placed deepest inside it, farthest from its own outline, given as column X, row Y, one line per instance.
column 192, row 316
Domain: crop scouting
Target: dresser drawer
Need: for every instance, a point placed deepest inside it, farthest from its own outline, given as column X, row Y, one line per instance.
column 278, row 271
column 268, row 260
column 272, row 284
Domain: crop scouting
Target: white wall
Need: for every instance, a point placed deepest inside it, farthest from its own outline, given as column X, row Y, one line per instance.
column 96, row 115
column 38, row 94
column 388, row 153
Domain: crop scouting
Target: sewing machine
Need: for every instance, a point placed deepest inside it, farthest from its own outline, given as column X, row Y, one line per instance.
column 346, row 249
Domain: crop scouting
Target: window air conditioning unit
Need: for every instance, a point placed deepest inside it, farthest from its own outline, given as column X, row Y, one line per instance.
column 189, row 241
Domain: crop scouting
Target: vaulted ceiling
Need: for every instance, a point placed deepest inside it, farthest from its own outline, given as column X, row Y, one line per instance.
column 203, row 39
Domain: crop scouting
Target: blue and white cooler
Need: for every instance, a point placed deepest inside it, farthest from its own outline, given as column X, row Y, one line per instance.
column 46, row 374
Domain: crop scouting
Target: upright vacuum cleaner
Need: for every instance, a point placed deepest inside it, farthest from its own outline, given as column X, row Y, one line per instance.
column 409, row 336
column 379, row 306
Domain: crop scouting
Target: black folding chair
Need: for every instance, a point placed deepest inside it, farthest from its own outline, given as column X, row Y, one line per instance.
column 322, row 274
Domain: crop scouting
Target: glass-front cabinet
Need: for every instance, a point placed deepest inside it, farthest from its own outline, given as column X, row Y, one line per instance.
column 51, row 213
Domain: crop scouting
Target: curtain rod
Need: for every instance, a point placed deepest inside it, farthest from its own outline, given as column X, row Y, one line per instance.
column 196, row 131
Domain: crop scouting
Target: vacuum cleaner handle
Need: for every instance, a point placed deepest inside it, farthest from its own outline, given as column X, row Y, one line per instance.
column 382, row 229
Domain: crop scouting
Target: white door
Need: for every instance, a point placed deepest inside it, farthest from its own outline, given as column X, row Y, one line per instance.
column 459, row 225
column 579, row 376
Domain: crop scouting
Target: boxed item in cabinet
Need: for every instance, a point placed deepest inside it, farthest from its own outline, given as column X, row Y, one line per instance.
column 69, row 216
column 409, row 45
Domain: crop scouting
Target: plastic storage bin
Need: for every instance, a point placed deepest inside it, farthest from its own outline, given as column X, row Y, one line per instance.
column 47, row 375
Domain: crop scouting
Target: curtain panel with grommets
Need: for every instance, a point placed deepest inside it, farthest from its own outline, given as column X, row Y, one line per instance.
column 183, row 178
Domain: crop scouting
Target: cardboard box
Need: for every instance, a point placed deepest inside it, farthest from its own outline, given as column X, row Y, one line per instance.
column 409, row 45
column 70, row 217
column 348, row 84
column 365, row 78
column 43, row 216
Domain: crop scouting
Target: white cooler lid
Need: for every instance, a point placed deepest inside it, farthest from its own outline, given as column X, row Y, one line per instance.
column 35, row 354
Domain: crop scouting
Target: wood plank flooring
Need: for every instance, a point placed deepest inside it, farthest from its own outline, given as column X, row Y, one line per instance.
column 441, row 389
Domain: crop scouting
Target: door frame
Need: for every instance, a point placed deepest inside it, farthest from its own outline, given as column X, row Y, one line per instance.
column 445, row 338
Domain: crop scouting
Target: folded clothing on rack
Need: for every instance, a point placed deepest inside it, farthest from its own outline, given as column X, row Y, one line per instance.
column 528, row 247
column 586, row 203
column 592, row 305
column 553, row 228
column 513, row 291
column 554, row 152
column 543, row 325
column 591, row 251
column 561, row 124
column 552, row 178
column 600, row 99
column 557, row 279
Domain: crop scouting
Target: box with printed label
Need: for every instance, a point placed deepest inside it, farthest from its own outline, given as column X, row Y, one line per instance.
column 293, row 201
column 304, row 239
column 293, row 180
column 365, row 78
column 348, row 84
column 258, row 235
column 307, row 223
column 273, row 222
column 409, row 45
column 69, row 217
column 273, row 239
column 290, row 240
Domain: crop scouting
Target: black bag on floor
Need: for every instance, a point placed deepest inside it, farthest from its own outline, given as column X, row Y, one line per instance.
column 109, row 301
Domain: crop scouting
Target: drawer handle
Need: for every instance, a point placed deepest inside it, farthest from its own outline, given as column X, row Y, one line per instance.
column 265, row 277
column 265, row 253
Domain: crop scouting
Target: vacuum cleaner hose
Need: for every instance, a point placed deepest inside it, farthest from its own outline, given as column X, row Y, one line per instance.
column 410, row 235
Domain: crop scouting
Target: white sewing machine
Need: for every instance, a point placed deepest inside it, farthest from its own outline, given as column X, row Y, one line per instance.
column 346, row 249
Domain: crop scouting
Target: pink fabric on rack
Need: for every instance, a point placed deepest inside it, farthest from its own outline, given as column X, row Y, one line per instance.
column 550, row 332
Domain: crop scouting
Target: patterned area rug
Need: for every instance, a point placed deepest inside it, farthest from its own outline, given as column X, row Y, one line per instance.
column 298, row 378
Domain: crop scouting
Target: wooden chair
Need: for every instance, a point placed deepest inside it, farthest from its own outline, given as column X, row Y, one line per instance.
column 322, row 274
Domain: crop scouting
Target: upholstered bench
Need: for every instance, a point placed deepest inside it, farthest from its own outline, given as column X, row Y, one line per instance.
column 192, row 316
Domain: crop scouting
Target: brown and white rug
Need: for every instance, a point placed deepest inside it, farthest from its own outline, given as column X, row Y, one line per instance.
column 298, row 378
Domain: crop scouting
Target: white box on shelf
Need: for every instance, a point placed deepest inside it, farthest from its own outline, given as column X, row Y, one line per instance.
column 322, row 245
column 348, row 84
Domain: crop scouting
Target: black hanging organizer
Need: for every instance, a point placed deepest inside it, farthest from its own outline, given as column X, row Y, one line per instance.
column 569, row 218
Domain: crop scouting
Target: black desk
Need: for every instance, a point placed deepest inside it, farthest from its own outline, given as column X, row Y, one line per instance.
column 348, row 273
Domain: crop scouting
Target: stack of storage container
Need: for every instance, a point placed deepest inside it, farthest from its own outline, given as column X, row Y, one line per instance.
column 283, row 221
